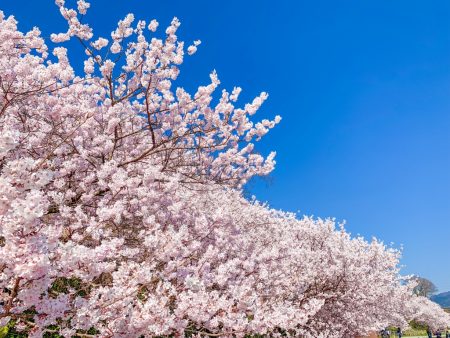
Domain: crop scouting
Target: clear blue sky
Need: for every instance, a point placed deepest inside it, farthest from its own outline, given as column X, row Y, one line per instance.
column 364, row 91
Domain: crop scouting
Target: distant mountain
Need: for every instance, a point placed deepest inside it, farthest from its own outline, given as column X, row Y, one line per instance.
column 443, row 299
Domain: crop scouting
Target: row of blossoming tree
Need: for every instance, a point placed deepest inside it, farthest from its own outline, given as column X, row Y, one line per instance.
column 121, row 209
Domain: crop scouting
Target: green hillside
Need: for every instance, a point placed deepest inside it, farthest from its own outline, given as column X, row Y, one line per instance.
column 443, row 299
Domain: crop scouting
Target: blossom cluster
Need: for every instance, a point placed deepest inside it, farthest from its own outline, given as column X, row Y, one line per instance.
column 121, row 206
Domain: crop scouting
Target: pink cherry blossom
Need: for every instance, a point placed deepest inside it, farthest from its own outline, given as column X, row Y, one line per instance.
column 121, row 206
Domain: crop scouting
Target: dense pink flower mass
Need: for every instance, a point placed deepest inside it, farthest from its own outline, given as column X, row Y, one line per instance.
column 121, row 208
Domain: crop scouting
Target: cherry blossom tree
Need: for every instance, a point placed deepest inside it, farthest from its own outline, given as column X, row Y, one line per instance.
column 424, row 311
column 121, row 209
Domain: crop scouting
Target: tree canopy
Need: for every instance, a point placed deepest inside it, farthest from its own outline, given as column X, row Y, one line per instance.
column 121, row 207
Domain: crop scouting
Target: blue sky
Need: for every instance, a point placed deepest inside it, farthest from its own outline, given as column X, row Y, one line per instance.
column 364, row 91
